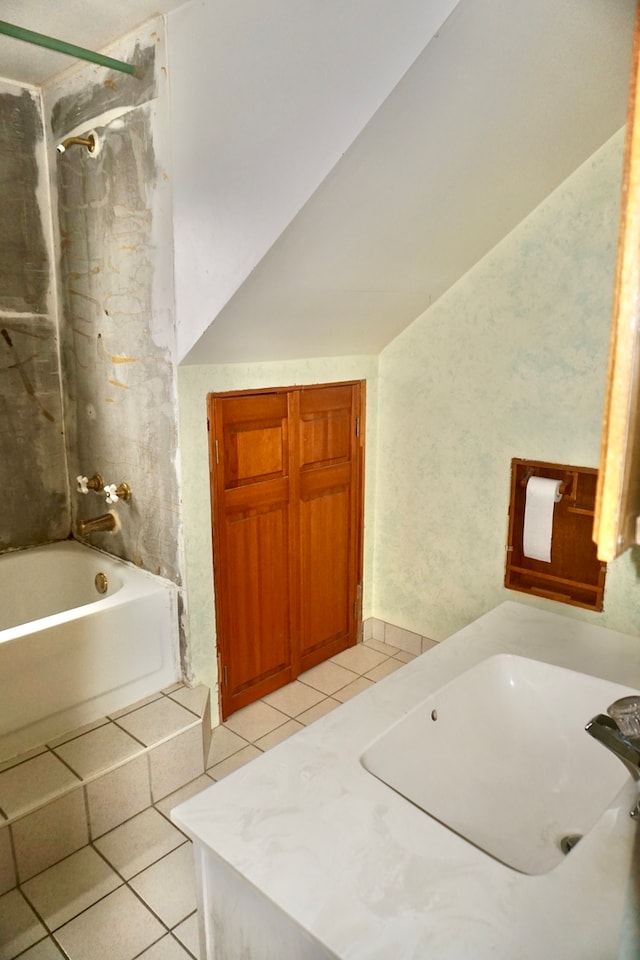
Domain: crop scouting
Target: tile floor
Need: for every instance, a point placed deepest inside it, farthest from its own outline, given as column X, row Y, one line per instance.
column 130, row 894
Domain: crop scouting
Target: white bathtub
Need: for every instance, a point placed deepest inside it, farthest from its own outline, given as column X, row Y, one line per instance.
column 70, row 655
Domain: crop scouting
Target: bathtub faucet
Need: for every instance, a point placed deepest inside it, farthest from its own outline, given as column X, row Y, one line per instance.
column 106, row 523
column 620, row 733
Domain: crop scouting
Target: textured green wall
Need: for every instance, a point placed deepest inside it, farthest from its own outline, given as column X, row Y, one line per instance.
column 509, row 363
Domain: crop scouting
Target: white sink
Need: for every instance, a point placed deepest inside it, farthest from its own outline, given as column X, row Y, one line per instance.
column 500, row 756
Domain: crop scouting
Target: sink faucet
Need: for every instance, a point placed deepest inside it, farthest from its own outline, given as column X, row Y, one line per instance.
column 620, row 733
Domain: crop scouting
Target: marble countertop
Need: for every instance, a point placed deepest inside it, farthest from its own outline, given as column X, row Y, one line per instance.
column 371, row 876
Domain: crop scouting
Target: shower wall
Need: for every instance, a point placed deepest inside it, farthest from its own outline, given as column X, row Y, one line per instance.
column 113, row 217
column 32, row 460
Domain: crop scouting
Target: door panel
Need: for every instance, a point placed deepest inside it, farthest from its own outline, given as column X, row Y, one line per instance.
column 287, row 507
column 251, row 536
column 254, row 439
column 329, row 515
column 326, row 615
column 325, row 426
column 258, row 617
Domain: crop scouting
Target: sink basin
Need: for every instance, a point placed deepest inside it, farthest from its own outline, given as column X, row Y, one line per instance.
column 500, row 756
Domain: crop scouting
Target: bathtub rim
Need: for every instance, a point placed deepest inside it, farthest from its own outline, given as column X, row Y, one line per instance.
column 134, row 581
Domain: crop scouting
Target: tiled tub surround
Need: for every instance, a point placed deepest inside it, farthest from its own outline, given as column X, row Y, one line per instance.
column 69, row 655
column 306, row 855
column 130, row 893
column 57, row 797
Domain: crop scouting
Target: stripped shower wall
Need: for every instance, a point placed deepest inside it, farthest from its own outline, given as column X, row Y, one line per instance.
column 32, row 452
column 113, row 214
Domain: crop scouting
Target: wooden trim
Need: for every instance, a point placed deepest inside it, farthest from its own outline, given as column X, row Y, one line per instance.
column 574, row 575
column 240, row 692
column 618, row 493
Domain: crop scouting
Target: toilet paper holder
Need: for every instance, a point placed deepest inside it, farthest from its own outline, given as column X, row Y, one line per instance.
column 574, row 575
column 568, row 488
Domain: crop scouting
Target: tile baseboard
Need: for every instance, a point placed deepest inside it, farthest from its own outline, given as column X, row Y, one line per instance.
column 393, row 636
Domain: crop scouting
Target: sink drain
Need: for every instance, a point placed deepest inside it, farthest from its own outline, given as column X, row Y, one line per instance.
column 568, row 842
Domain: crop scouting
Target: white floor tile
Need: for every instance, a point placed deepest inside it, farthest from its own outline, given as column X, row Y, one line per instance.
column 320, row 710
column 118, row 795
column 69, row 887
column 187, row 933
column 45, row 950
column 14, row 761
column 19, row 926
column 168, row 887
column 166, row 949
column 139, row 842
column 50, row 834
column 360, row 659
column 96, row 916
column 184, row 793
column 353, row 689
column 294, row 698
column 72, row 734
column 33, row 782
column 98, row 750
column 157, row 721
column 383, row 670
column 234, row 763
column 224, row 743
column 279, row 734
column 327, row 677
column 193, row 698
column 117, row 928
column 139, row 703
column 381, row 647
column 256, row 720
column 175, row 762
column 7, row 868
column 404, row 657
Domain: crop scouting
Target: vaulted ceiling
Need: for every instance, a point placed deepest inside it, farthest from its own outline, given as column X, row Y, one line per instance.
column 497, row 107
column 501, row 106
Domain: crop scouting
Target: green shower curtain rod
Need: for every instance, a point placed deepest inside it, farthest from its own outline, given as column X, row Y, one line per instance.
column 61, row 46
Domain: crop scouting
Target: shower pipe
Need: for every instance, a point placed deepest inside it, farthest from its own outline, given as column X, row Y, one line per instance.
column 61, row 46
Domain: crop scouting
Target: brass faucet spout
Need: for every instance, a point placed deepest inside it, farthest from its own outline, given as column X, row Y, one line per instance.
column 104, row 524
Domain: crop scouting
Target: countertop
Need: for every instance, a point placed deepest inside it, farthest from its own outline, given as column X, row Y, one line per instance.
column 369, row 875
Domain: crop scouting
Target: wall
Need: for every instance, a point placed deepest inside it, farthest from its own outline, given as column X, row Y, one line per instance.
column 195, row 382
column 116, row 296
column 265, row 99
column 511, row 362
column 32, row 465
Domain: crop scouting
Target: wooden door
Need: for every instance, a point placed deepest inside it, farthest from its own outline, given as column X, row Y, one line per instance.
column 287, row 508
column 330, row 521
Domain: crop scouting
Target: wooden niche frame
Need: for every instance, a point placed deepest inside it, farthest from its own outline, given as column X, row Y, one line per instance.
column 575, row 575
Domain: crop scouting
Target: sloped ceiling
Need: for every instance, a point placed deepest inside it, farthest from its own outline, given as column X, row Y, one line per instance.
column 503, row 104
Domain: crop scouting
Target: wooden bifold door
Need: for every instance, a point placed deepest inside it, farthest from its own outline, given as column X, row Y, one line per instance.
column 287, row 505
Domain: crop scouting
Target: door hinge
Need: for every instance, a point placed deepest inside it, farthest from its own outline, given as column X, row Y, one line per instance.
column 217, row 452
column 208, row 425
column 225, row 676
column 357, row 426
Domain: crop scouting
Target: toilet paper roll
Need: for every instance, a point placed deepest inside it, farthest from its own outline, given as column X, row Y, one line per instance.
column 541, row 497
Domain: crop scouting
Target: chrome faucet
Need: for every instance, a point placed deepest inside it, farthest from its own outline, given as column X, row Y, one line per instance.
column 620, row 733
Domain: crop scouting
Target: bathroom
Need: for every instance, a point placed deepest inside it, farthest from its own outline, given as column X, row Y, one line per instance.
column 473, row 382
